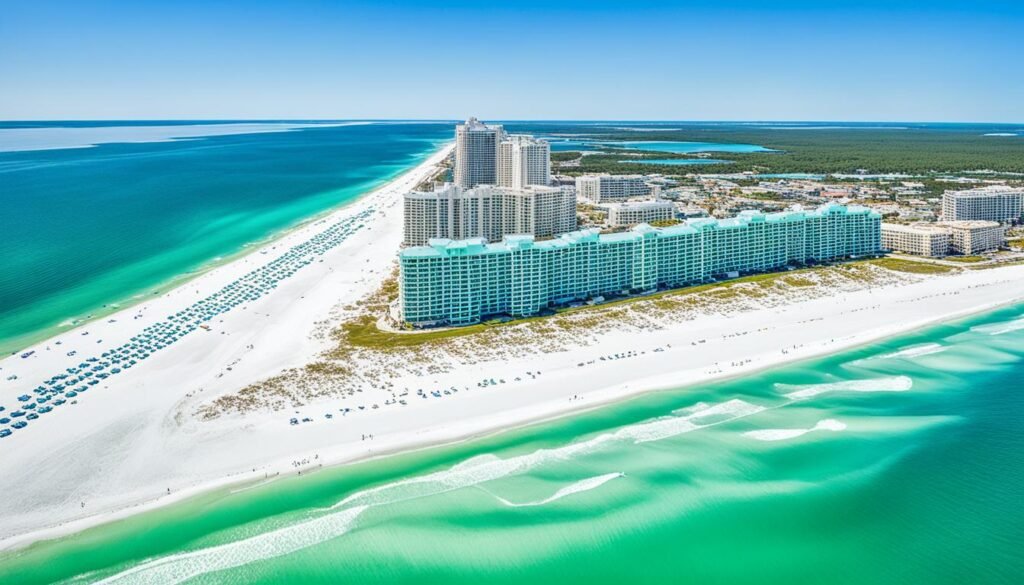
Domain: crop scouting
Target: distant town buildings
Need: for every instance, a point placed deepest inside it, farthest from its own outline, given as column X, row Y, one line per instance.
column 466, row 281
column 943, row 238
column 606, row 188
column 523, row 161
column 487, row 212
column 629, row 213
column 993, row 203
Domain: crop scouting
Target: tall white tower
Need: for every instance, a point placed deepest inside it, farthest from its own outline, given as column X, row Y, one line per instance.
column 476, row 153
column 523, row 160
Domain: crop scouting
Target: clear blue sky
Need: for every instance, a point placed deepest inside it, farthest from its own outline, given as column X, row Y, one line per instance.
column 631, row 59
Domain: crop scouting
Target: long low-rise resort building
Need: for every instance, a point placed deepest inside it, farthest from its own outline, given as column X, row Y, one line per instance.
column 943, row 238
column 917, row 239
column 463, row 282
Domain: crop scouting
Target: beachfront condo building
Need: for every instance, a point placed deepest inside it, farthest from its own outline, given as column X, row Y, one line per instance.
column 917, row 239
column 974, row 237
column 459, row 282
column 605, row 188
column 476, row 153
column 630, row 213
column 487, row 212
column 944, row 238
column 995, row 203
column 523, row 161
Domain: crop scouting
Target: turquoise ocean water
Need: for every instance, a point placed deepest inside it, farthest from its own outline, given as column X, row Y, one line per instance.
column 910, row 469
column 86, row 229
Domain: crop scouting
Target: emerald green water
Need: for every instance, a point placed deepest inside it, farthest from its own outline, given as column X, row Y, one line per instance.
column 916, row 476
column 86, row 230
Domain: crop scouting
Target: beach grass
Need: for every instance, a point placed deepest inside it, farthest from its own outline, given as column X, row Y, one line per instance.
column 903, row 265
column 364, row 332
column 965, row 259
column 362, row 338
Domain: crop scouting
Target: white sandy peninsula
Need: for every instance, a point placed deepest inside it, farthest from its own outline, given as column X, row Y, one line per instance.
column 138, row 440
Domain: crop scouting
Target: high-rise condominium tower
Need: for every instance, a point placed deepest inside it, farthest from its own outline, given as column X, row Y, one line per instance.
column 476, row 153
column 522, row 161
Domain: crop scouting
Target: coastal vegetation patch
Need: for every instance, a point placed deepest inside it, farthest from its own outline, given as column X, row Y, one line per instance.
column 365, row 353
column 910, row 151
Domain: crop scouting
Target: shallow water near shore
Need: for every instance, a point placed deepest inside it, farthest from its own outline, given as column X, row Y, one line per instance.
column 898, row 462
column 86, row 230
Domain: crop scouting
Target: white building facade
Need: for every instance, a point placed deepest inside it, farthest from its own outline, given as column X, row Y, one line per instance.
column 974, row 237
column 523, row 161
column 606, row 188
column 995, row 203
column 919, row 240
column 487, row 212
column 944, row 238
column 630, row 213
column 476, row 153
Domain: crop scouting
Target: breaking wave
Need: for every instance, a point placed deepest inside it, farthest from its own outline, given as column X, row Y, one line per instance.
column 184, row 566
column 911, row 352
column 339, row 518
column 1000, row 328
column 486, row 468
column 584, row 485
column 828, row 424
column 916, row 351
column 888, row 384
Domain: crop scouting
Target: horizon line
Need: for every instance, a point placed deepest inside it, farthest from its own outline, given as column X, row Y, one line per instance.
column 514, row 120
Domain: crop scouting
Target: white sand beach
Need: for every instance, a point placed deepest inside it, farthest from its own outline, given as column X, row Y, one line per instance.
column 134, row 442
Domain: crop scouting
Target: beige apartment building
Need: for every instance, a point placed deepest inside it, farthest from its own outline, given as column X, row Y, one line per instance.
column 607, row 188
column 629, row 213
column 943, row 238
column 487, row 212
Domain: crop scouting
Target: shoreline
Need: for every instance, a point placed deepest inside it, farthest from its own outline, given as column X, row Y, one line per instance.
column 39, row 337
column 136, row 443
column 206, row 281
column 606, row 397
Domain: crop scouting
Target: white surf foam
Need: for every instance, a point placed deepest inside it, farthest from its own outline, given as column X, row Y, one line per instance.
column 1000, row 328
column 670, row 427
column 911, row 352
column 916, row 351
column 584, row 485
column 487, row 468
column 474, row 461
column 888, row 384
column 338, row 518
column 184, row 566
column 828, row 424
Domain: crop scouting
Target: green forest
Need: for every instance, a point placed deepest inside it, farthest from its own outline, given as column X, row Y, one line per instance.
column 910, row 151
